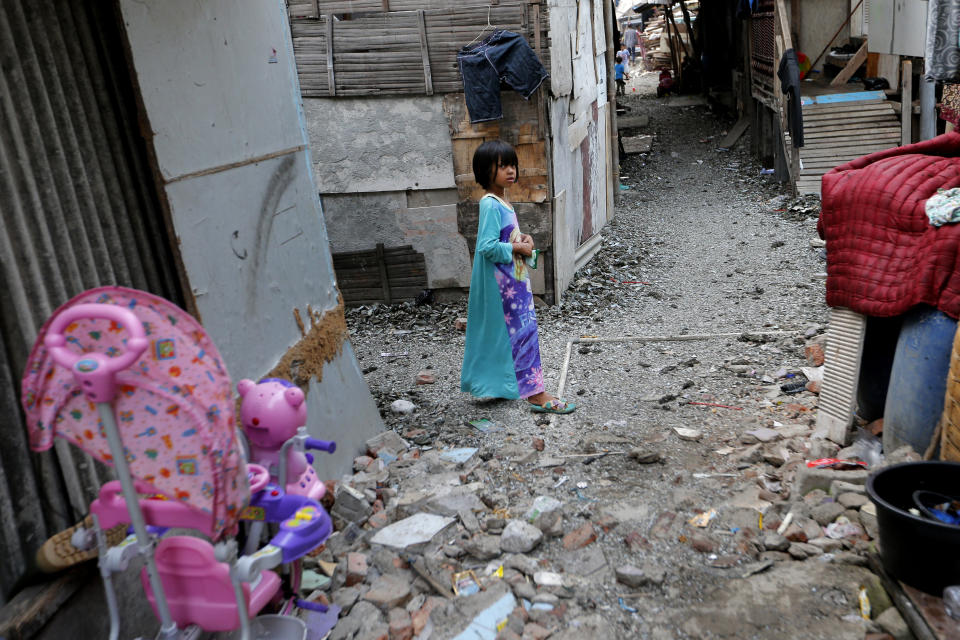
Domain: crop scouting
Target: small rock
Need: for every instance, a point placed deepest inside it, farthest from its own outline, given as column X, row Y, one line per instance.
column 356, row 568
column 691, row 435
column 794, row 533
column 483, row 546
column 346, row 598
column 580, row 537
column 402, row 406
column 775, row 542
column 893, row 623
column 764, row 434
column 630, row 575
column 852, row 500
column 424, row 377
column 813, row 386
column 400, row 624
column 520, row 537
column 388, row 591
column 635, row 541
column 803, row 550
column 703, row 543
column 815, row 354
column 460, row 324
column 826, row 513
column 538, row 444
column 533, row 631
column 645, row 456
column 828, row 545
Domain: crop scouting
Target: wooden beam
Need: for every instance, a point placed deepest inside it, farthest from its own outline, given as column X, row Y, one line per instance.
column 424, row 52
column 385, row 282
column 331, row 80
column 851, row 67
column 906, row 115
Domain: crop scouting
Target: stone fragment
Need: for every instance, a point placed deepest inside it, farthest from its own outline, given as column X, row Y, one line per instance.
column 388, row 441
column 893, row 623
column 702, row 543
column 420, row 617
column 868, row 520
column 413, row 533
column 483, row 546
column 388, row 591
column 378, row 520
column 645, row 456
column 360, row 463
column 828, row 545
column 661, row 526
column 691, row 435
column 773, row 541
column 808, row 479
column 813, row 386
column 764, row 434
column 631, row 576
column 533, row 631
column 520, row 537
column 538, row 444
column 852, row 500
column 635, row 541
column 400, row 624
column 350, row 505
column 460, row 324
column 374, row 632
column 795, row 533
column 402, row 406
column 548, row 579
column 361, row 615
column 826, row 513
column 469, row 520
column 345, row 598
column 356, row 568
column 814, row 354
column 425, row 377
column 580, row 537
column 803, row 550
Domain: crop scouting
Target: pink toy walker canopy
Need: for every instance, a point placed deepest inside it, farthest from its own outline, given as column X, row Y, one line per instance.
column 174, row 405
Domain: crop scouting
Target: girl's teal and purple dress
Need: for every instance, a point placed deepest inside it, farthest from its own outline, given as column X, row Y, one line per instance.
column 501, row 358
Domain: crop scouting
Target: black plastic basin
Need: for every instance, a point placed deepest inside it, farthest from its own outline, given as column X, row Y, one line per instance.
column 921, row 552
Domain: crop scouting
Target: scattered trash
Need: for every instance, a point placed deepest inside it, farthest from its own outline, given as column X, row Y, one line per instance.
column 702, row 520
column 794, row 386
column 786, row 523
column 700, row 476
column 836, row 463
column 386, row 354
column 867, row 447
column 560, row 482
column 691, row 435
column 842, row 528
column 458, row 456
column 483, row 425
column 465, row 583
column 864, row 602
column 625, row 606
column 766, row 172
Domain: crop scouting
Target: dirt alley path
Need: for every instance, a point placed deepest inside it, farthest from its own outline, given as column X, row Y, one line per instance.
column 708, row 235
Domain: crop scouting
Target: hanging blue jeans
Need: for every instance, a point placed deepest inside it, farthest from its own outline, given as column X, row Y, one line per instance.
column 506, row 57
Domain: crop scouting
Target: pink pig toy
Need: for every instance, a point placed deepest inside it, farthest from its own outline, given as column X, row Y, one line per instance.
column 273, row 413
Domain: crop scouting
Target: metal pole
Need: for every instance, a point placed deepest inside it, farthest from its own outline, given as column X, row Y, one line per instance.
column 168, row 628
column 928, row 109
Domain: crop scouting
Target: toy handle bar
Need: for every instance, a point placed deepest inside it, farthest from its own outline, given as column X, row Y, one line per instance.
column 95, row 372
column 323, row 445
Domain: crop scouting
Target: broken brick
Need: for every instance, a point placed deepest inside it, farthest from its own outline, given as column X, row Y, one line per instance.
column 579, row 538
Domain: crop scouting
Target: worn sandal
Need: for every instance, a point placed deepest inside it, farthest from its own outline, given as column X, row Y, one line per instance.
column 553, row 406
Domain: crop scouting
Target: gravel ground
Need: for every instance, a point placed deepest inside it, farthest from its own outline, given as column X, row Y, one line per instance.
column 718, row 249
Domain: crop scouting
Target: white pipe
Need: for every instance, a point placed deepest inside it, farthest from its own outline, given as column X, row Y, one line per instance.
column 168, row 628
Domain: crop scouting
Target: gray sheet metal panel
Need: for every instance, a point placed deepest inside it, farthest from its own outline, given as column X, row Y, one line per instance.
column 78, row 209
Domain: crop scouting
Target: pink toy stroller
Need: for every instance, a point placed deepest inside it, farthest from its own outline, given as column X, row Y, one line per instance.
column 136, row 382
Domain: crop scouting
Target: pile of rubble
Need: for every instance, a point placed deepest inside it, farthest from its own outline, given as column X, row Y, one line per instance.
column 658, row 38
column 509, row 539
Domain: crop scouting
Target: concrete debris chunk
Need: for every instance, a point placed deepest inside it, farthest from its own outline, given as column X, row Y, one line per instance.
column 520, row 537
column 413, row 533
column 402, row 406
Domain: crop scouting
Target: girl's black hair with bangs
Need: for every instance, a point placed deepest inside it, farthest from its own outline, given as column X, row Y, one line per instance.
column 488, row 157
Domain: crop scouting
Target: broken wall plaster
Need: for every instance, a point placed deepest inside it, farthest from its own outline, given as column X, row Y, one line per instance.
column 320, row 344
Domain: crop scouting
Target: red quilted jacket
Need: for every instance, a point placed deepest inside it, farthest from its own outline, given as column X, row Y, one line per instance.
column 883, row 255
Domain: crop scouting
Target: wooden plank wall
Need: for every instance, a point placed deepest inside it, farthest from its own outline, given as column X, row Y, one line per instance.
column 388, row 275
column 396, row 47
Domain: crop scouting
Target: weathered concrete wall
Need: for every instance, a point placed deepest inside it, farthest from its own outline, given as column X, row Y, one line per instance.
column 371, row 144
column 820, row 19
column 427, row 220
column 219, row 91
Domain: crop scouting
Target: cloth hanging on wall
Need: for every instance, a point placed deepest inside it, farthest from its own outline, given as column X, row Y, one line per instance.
column 505, row 57
column 943, row 41
column 789, row 74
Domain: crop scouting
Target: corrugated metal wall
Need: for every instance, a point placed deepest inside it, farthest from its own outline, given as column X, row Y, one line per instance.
column 78, row 209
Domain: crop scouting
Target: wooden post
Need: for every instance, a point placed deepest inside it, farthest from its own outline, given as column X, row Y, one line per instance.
column 382, row 266
column 906, row 104
column 424, row 52
column 331, row 80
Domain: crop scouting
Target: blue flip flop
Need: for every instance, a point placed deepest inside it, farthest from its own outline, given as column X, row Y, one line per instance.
column 553, row 406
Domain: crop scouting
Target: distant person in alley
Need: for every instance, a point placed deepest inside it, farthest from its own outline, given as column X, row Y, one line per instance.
column 501, row 358
column 630, row 38
column 621, row 76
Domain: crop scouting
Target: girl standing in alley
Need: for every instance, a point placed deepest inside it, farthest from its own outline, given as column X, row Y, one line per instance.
column 501, row 358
